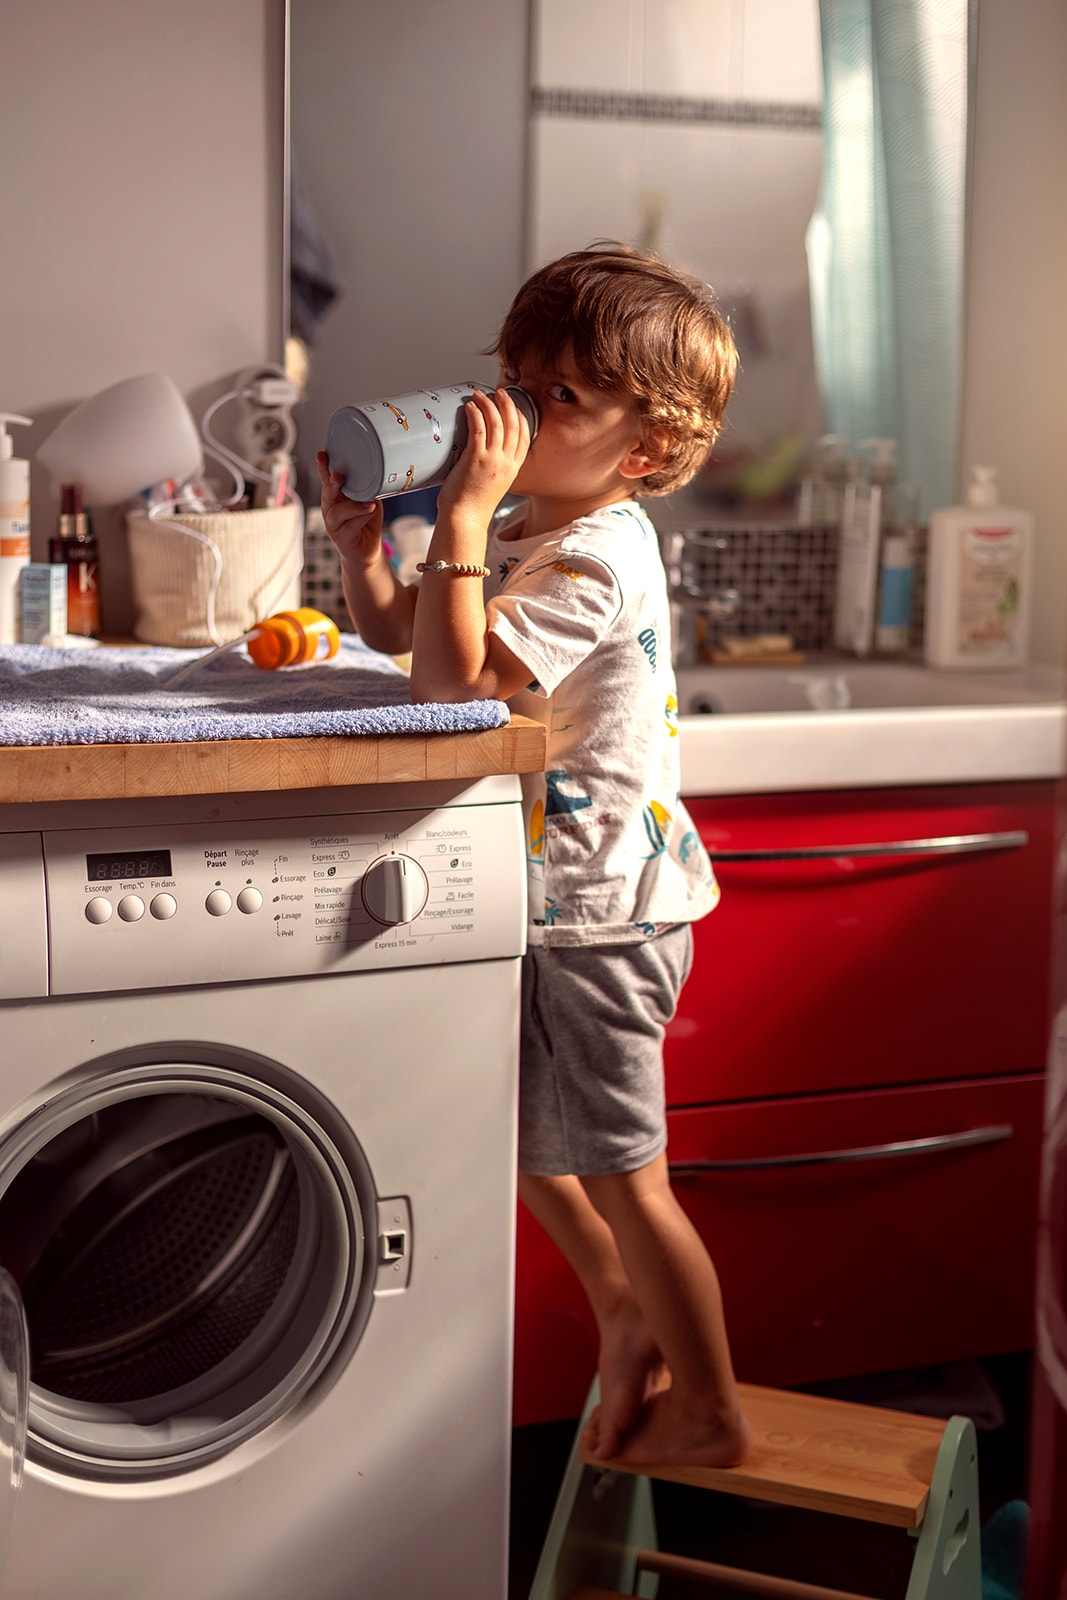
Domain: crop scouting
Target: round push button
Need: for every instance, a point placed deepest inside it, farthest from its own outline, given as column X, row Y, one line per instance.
column 98, row 909
column 163, row 907
column 131, row 908
column 249, row 900
column 218, row 902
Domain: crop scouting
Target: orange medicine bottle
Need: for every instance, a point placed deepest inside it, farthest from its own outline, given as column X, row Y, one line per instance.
column 74, row 546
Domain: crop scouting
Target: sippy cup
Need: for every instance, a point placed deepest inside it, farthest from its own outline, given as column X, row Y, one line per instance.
column 387, row 447
column 292, row 637
column 288, row 639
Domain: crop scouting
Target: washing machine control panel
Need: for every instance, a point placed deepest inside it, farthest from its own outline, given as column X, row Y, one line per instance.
column 159, row 906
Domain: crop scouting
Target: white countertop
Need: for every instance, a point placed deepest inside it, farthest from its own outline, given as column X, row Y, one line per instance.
column 838, row 724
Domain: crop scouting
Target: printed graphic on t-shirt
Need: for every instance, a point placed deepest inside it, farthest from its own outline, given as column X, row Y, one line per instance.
column 612, row 855
column 658, row 824
column 670, row 716
column 689, row 847
column 537, row 829
column 557, row 800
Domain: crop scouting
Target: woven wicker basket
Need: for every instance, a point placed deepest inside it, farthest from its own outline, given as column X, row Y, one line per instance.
column 172, row 572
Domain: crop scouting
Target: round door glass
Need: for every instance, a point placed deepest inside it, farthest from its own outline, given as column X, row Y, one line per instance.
column 14, row 1401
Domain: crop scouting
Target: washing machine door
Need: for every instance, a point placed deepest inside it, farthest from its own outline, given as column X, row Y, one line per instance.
column 14, row 1402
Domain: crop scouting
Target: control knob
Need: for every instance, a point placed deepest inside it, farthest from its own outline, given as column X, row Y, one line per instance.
column 395, row 889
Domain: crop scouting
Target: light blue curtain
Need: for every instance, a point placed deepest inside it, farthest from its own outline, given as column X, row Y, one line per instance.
column 886, row 244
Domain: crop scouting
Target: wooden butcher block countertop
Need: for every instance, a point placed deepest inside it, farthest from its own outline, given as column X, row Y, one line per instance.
column 37, row 773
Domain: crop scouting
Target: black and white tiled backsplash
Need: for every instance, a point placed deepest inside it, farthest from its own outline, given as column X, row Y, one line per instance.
column 785, row 577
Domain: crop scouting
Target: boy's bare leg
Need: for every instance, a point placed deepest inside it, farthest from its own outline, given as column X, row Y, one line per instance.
column 630, row 1365
column 698, row 1419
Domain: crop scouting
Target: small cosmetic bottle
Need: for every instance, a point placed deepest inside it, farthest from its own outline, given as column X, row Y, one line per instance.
column 74, row 547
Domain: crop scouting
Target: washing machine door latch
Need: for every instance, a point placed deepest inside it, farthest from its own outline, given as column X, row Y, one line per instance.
column 394, row 1244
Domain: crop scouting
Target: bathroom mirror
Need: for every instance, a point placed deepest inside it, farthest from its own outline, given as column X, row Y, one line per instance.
column 694, row 128
column 444, row 151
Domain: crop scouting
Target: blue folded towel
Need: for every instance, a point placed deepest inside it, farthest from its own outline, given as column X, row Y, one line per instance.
column 119, row 696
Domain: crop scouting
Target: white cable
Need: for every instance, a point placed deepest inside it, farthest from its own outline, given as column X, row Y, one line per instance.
column 158, row 516
column 298, row 564
column 221, row 452
column 238, row 477
column 217, row 447
column 250, row 470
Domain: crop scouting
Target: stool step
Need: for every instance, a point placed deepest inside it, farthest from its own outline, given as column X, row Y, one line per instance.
column 736, row 1580
column 823, row 1455
column 733, row 1580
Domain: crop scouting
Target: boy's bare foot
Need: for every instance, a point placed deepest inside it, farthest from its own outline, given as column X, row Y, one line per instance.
column 670, row 1429
column 631, row 1369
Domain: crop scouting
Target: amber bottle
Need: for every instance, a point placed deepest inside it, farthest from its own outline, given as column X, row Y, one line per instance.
column 74, row 547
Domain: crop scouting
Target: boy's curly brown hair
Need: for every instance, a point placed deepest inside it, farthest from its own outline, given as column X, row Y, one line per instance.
column 636, row 327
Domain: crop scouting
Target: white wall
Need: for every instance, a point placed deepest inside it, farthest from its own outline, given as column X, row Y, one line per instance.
column 1015, row 377
column 409, row 128
column 141, row 221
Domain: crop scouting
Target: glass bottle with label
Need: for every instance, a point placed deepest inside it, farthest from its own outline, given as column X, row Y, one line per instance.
column 74, row 546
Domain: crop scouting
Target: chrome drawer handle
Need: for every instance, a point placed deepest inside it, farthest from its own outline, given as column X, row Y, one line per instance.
column 952, row 844
column 995, row 1134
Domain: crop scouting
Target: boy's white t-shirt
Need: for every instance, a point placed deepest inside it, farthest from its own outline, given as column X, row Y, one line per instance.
column 612, row 854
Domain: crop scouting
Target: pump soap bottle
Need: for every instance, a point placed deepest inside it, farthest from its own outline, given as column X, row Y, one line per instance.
column 978, row 581
column 74, row 547
column 14, row 528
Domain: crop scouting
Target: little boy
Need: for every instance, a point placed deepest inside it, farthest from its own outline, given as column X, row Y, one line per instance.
column 631, row 367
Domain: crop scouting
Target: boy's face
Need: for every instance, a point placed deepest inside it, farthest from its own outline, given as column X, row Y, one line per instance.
column 588, row 441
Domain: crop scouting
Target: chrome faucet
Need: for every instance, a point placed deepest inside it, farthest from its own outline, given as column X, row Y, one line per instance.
column 693, row 605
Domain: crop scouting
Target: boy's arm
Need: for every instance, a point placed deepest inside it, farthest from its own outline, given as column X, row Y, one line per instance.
column 454, row 656
column 381, row 607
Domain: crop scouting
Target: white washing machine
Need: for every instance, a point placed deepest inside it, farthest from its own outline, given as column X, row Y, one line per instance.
column 257, row 1109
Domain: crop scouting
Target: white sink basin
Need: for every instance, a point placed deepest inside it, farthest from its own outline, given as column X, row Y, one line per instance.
column 867, row 724
column 860, row 685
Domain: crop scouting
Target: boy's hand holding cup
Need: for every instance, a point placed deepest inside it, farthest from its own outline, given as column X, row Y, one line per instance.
column 355, row 526
column 498, row 439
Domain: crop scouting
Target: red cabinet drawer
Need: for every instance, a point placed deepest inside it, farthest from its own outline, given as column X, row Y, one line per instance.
column 855, row 971
column 829, row 1269
column 864, row 1265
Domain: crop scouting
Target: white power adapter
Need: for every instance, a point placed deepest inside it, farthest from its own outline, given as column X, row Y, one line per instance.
column 266, row 428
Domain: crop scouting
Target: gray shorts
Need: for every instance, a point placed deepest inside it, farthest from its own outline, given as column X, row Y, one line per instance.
column 591, row 1095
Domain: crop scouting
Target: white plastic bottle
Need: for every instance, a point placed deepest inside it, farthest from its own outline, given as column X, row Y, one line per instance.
column 822, row 489
column 14, row 528
column 896, row 577
column 863, row 522
column 979, row 581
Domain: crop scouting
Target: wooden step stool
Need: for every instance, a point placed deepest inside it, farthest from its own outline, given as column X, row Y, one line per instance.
column 910, row 1472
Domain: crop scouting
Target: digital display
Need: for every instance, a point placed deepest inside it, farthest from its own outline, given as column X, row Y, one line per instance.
column 109, row 865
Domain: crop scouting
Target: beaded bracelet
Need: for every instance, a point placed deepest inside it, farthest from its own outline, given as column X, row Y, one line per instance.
column 464, row 568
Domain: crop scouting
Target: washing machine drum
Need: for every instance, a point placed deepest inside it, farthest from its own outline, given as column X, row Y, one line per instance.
column 165, row 1266
column 191, row 1259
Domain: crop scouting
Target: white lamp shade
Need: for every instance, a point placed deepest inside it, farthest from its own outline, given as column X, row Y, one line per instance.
column 124, row 439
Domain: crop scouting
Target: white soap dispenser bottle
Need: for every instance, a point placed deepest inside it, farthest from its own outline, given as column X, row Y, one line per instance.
column 14, row 528
column 979, row 581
